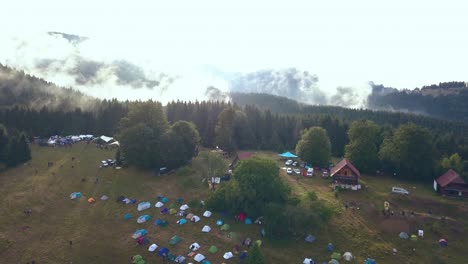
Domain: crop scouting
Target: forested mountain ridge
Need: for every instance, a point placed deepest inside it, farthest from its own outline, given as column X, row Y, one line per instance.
column 444, row 100
column 21, row 89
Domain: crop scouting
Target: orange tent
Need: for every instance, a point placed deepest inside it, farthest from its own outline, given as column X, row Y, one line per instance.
column 91, row 200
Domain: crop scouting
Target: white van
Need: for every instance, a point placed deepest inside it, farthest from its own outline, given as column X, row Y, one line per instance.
column 399, row 190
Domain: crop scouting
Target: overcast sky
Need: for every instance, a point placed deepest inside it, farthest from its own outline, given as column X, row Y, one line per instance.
column 398, row 43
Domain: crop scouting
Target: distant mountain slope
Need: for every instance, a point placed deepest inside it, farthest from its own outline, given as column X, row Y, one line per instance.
column 282, row 105
column 445, row 100
column 18, row 88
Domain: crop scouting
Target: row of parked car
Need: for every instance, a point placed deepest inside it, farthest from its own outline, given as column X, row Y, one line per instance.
column 107, row 163
column 297, row 171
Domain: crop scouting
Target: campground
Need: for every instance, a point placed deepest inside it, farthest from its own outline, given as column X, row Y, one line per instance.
column 100, row 234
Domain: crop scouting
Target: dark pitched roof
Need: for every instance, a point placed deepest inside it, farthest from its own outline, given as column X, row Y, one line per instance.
column 244, row 155
column 450, row 176
column 342, row 164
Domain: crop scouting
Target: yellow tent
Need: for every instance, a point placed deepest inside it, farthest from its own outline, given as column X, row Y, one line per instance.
column 172, row 211
column 91, row 200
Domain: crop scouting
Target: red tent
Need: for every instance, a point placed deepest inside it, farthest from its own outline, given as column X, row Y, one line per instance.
column 241, row 216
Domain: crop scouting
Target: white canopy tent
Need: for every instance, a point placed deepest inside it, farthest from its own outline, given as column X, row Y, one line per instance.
column 194, row 247
column 228, row 255
column 152, row 248
column 106, row 139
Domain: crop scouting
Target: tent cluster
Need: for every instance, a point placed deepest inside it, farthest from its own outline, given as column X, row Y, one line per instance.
column 184, row 217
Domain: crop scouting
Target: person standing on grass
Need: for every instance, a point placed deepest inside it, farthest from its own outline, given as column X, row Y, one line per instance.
column 71, row 243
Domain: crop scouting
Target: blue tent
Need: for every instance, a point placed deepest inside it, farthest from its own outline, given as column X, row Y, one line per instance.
column 182, row 221
column 143, row 219
column 127, row 216
column 243, row 255
column 158, row 222
column 330, row 247
column 75, row 195
column 206, row 262
column 219, row 222
column 370, row 261
column 248, row 221
column 163, row 252
column 288, row 155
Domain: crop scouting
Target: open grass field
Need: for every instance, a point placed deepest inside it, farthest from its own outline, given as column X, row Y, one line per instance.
column 101, row 235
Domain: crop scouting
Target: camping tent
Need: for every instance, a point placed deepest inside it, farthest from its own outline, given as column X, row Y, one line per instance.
column 248, row 221
column 308, row 261
column 127, row 216
column 138, row 259
column 104, row 198
column 348, row 256
column 370, row 261
column 333, row 261
column 143, row 206
column 421, row 233
column 309, row 238
column 241, row 216
column 91, row 200
column 75, row 195
column 182, row 221
column 205, row 262
column 195, row 219
column 184, row 207
column 139, row 233
column 232, row 235
column 172, row 211
column 106, row 139
column 142, row 240
column 219, row 222
column 336, row 255
column 163, row 252
column 179, row 259
column 414, row 237
column 152, row 248
column 225, row 227
column 287, row 155
column 228, row 255
column 164, row 200
column 213, row 249
column 164, row 210
column 207, row 214
column 174, row 240
column 443, row 242
column 404, row 235
column 143, row 219
column 189, row 216
column 194, row 247
column 199, row 257
column 330, row 247
column 206, row 229
column 159, row 205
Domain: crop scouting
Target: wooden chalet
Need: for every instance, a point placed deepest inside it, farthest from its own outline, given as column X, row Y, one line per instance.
column 344, row 173
column 451, row 184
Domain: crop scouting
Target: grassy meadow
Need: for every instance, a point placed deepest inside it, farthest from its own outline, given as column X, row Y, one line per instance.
column 101, row 235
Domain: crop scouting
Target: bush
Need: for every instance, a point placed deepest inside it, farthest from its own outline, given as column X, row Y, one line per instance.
column 184, row 171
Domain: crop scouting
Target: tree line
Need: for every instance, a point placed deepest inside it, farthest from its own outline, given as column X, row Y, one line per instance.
column 14, row 148
column 407, row 152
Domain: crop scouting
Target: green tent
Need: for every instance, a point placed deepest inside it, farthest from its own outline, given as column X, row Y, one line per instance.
column 213, row 249
column 333, row 261
column 138, row 259
column 172, row 206
column 336, row 255
column 164, row 223
column 414, row 237
column 232, row 235
column 225, row 227
column 258, row 243
column 174, row 240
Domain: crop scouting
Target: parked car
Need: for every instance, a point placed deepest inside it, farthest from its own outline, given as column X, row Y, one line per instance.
column 289, row 171
column 399, row 190
column 310, row 172
column 289, row 162
column 295, row 164
column 297, row 171
column 325, row 173
column 226, row 177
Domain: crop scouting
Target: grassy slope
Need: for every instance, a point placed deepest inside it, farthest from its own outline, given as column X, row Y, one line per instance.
column 100, row 235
